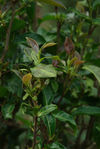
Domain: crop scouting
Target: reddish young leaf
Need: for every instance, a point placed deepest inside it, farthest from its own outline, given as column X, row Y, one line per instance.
column 69, row 46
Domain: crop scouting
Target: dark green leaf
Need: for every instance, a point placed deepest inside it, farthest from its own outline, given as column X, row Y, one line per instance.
column 64, row 117
column 96, row 21
column 94, row 70
column 50, row 123
column 3, row 91
column 14, row 85
column 87, row 110
column 48, row 95
column 30, row 9
column 46, row 110
column 18, row 25
column 21, row 38
column 7, row 110
column 82, row 15
column 47, row 17
column 54, row 85
column 96, row 3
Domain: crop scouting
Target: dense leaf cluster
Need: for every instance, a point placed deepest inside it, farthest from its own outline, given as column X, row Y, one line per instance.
column 49, row 74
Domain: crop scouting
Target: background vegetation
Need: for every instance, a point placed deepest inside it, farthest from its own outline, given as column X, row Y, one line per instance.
column 50, row 74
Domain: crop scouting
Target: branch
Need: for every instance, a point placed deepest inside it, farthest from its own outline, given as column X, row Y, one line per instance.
column 8, row 34
column 35, row 132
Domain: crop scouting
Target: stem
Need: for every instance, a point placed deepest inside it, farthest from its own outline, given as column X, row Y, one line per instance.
column 90, row 31
column 88, row 134
column 58, row 29
column 35, row 132
column 65, row 90
column 78, row 139
column 8, row 34
column 58, row 33
column 35, row 19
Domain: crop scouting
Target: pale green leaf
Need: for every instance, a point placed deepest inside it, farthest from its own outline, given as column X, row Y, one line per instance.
column 56, row 3
column 25, row 96
column 57, row 145
column 44, row 71
column 32, row 55
column 48, row 45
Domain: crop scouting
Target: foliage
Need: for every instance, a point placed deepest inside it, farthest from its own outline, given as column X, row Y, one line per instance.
column 49, row 74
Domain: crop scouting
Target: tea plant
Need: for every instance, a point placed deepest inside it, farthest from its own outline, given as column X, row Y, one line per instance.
column 49, row 74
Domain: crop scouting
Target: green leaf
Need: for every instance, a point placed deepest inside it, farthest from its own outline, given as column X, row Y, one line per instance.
column 7, row 110
column 53, row 16
column 35, row 57
column 48, row 95
column 46, row 45
column 17, row 73
column 56, row 3
column 25, row 96
column 94, row 70
column 18, row 24
column 50, row 123
column 14, row 85
column 96, row 21
column 57, row 145
column 96, row 3
column 25, row 119
column 64, row 117
column 32, row 55
column 30, row 9
column 54, row 85
column 44, row 71
column 3, row 91
column 82, row 15
column 37, row 37
column 47, row 17
column 46, row 110
column 87, row 110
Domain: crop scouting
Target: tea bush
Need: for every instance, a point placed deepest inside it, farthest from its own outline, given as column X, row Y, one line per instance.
column 49, row 74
